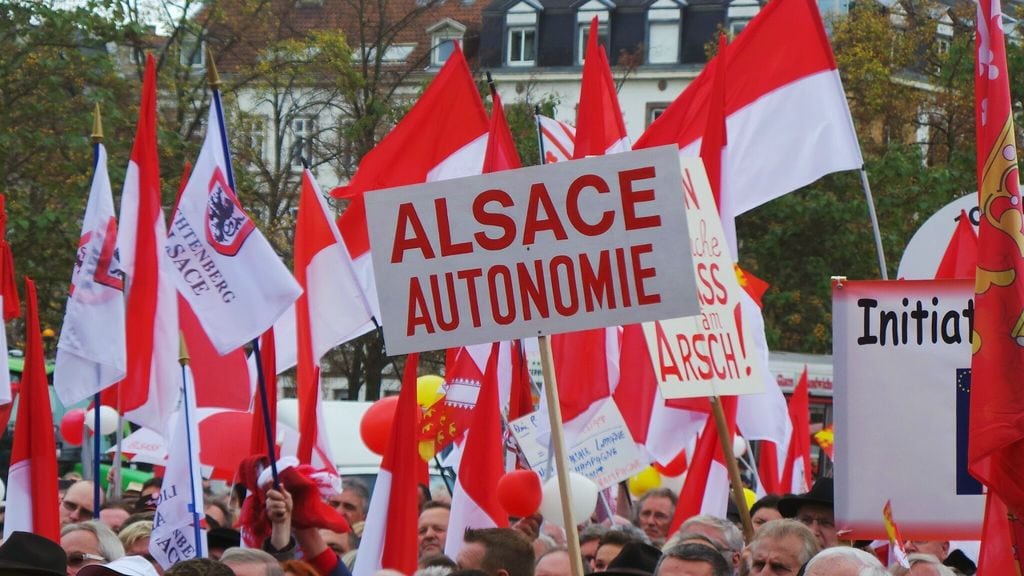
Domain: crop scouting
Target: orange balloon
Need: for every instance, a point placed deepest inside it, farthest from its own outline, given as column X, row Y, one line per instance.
column 378, row 420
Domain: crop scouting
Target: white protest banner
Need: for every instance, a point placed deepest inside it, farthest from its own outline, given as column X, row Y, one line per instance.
column 902, row 356
column 689, row 353
column 556, row 248
column 603, row 451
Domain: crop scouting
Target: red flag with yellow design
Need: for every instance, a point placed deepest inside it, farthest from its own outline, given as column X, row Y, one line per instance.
column 996, row 434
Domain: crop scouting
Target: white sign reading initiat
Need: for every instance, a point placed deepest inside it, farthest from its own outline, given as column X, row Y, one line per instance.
column 540, row 250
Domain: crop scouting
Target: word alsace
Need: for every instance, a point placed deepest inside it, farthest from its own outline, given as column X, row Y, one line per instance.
column 535, row 288
column 521, row 248
column 192, row 259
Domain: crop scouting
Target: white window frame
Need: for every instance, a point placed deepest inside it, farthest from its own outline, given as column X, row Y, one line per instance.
column 254, row 135
column 583, row 30
column 185, row 56
column 302, row 130
column 447, row 30
column 522, row 31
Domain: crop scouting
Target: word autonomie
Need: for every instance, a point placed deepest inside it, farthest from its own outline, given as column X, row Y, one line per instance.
column 563, row 285
column 914, row 323
column 545, row 249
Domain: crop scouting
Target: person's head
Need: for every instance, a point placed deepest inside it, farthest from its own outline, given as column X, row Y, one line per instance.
column 77, row 504
column 764, row 510
column 923, row 565
column 437, row 561
column 843, row 561
column 654, row 514
column 199, row 567
column 937, row 548
column 433, row 528
column 726, row 536
column 353, row 500
column 298, row 568
column 590, row 537
column 251, row 562
column 816, row 510
column 135, row 538
column 27, row 554
column 113, row 513
column 781, row 547
column 126, row 566
column 609, row 546
column 217, row 511
column 554, row 562
column 497, row 551
column 88, row 543
column 151, row 487
column 692, row 560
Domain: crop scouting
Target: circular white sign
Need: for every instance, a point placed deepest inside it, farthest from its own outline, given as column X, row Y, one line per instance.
column 924, row 251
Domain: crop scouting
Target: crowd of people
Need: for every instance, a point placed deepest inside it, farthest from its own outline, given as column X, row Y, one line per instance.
column 793, row 534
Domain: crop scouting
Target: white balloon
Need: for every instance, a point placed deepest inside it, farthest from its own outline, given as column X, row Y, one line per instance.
column 584, row 499
column 108, row 420
column 739, row 446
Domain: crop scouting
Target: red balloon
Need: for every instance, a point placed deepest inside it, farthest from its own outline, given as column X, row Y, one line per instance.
column 378, row 420
column 519, row 493
column 72, row 426
column 674, row 468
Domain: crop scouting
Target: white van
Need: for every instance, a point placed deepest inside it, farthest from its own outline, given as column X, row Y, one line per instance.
column 351, row 456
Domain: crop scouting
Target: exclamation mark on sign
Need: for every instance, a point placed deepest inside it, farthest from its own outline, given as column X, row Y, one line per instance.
column 737, row 313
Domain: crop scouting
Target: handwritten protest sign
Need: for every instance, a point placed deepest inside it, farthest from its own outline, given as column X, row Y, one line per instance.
column 603, row 451
column 535, row 251
column 690, row 353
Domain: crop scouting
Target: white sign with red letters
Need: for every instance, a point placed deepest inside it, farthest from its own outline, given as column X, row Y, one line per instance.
column 540, row 250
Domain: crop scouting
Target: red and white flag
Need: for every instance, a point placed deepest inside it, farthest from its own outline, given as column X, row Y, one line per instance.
column 557, row 138
column 443, row 136
column 787, row 118
column 226, row 269
column 706, row 489
column 600, row 129
column 32, row 503
column 148, row 394
column 474, row 500
column 390, row 533
column 327, row 313
column 91, row 350
column 796, row 475
column 501, row 153
column 11, row 309
column 960, row 260
column 996, row 431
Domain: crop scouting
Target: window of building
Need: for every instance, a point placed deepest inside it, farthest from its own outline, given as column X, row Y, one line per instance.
column 443, row 37
column 251, row 135
column 584, row 38
column 739, row 14
column 192, row 52
column 303, row 132
column 522, row 46
column 654, row 111
column 663, row 42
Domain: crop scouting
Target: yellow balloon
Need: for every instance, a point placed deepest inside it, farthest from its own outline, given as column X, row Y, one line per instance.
column 643, row 482
column 750, row 496
column 428, row 390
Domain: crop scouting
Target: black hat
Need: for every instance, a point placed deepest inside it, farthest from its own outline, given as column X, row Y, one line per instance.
column 821, row 494
column 27, row 553
column 958, row 560
column 635, row 559
column 222, row 538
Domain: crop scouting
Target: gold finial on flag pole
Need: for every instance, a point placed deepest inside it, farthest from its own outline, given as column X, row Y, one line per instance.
column 211, row 70
column 97, row 125
column 183, row 357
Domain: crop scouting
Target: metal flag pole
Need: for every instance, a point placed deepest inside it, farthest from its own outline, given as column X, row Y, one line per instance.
column 214, row 80
column 186, row 405
column 97, row 140
column 874, row 222
column 540, row 132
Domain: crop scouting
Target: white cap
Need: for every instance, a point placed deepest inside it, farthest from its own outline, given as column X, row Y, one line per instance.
column 126, row 566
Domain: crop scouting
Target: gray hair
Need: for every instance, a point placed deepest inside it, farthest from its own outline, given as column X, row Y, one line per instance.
column 924, row 559
column 731, row 535
column 826, row 561
column 785, row 528
column 134, row 532
column 110, row 546
column 592, row 532
column 251, row 556
column 358, row 488
column 629, row 530
column 655, row 493
column 697, row 553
